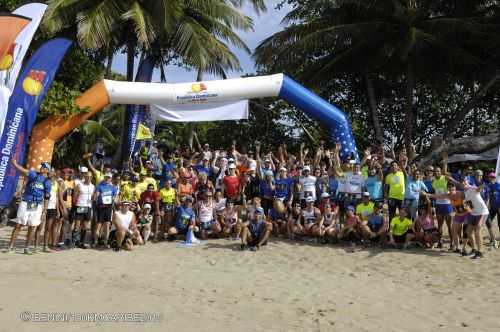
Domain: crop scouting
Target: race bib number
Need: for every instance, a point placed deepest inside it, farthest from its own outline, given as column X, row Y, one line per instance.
column 107, row 200
column 308, row 194
column 81, row 210
column 395, row 180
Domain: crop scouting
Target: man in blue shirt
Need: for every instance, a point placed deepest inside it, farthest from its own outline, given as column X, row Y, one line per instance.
column 105, row 194
column 204, row 167
column 414, row 187
column 256, row 232
column 493, row 202
column 184, row 218
column 168, row 171
column 34, row 202
column 283, row 187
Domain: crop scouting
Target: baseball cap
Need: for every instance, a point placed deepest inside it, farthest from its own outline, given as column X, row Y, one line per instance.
column 478, row 172
column 306, row 168
column 45, row 165
column 366, row 194
column 231, row 160
column 350, row 208
column 325, row 195
column 125, row 202
column 147, row 206
column 259, row 210
column 232, row 166
column 309, row 199
column 267, row 160
column 492, row 175
column 252, row 168
column 283, row 169
column 108, row 175
column 188, row 198
column 84, row 169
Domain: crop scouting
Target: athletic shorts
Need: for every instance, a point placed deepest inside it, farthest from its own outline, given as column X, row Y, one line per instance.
column 83, row 213
column 461, row 218
column 474, row 220
column 29, row 213
column 400, row 238
column 167, row 207
column 113, row 241
column 104, row 214
column 444, row 209
column 207, row 226
column 429, row 231
column 51, row 214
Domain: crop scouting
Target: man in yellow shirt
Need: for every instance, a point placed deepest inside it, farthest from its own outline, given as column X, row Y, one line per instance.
column 365, row 208
column 401, row 229
column 394, row 189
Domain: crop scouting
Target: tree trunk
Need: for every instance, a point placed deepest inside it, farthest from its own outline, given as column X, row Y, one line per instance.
column 410, row 85
column 109, row 63
column 130, row 60
column 379, row 134
column 460, row 145
column 192, row 125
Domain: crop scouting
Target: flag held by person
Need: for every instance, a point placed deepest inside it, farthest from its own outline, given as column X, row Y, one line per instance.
column 143, row 132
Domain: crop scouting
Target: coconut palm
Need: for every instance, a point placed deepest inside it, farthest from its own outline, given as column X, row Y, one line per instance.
column 410, row 39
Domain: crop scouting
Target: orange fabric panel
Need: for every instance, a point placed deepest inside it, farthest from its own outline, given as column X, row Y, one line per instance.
column 10, row 26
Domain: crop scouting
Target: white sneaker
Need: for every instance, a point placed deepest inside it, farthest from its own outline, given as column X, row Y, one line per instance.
column 495, row 244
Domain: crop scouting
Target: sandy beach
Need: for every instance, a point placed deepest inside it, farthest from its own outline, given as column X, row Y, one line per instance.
column 284, row 287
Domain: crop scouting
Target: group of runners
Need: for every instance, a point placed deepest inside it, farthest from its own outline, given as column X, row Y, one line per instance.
column 249, row 196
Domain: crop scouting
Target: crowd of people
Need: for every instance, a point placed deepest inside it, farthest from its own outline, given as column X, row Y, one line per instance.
column 250, row 196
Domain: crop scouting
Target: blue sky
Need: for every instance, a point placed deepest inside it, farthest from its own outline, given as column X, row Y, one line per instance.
column 264, row 25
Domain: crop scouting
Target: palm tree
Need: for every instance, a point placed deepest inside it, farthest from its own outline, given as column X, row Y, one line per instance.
column 409, row 39
column 197, row 31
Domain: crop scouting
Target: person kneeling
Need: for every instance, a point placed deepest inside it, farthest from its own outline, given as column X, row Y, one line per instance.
column 401, row 229
column 184, row 218
column 145, row 221
column 256, row 232
column 124, row 233
column 377, row 226
column 350, row 229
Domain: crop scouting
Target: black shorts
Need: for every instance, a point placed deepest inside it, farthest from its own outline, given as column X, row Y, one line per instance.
column 165, row 207
column 431, row 231
column 51, row 213
column 401, row 238
column 104, row 214
column 112, row 239
column 83, row 214
column 474, row 220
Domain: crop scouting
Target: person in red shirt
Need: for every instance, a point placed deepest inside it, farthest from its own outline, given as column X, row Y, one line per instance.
column 231, row 186
column 152, row 197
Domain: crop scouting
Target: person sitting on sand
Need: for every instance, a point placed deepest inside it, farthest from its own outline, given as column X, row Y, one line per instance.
column 377, row 225
column 230, row 220
column 255, row 233
column 350, row 228
column 279, row 221
column 184, row 218
column 401, row 231
column 329, row 231
column 312, row 219
column 205, row 218
column 145, row 221
column 426, row 231
column 294, row 226
column 124, row 233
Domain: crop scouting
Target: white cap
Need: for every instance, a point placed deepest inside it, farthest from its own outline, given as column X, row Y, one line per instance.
column 147, row 206
column 283, row 169
column 306, row 168
column 231, row 160
column 309, row 199
column 108, row 175
column 267, row 160
column 325, row 195
column 84, row 169
column 232, row 166
column 366, row 194
column 206, row 158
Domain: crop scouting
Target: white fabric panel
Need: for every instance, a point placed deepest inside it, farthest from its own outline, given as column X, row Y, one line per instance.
column 235, row 110
column 137, row 93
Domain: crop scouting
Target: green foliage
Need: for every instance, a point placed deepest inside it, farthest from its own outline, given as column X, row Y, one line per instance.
column 59, row 101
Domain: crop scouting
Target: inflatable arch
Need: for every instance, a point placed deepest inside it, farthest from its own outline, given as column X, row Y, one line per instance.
column 105, row 92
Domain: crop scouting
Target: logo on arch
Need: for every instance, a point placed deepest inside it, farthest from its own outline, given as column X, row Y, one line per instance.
column 198, row 87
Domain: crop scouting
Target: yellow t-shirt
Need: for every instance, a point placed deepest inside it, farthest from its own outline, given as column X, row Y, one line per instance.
column 167, row 196
column 364, row 211
column 399, row 227
column 143, row 185
column 396, row 183
column 98, row 177
column 126, row 191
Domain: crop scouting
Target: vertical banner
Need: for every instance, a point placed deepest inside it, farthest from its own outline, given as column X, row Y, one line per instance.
column 137, row 114
column 497, row 170
column 29, row 92
column 11, row 62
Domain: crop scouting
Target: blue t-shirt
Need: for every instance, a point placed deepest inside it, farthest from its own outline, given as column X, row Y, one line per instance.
column 167, row 173
column 256, row 228
column 202, row 169
column 37, row 188
column 183, row 216
column 333, row 185
column 413, row 188
column 265, row 190
column 494, row 191
column 374, row 187
column 107, row 193
column 282, row 187
column 428, row 185
column 375, row 221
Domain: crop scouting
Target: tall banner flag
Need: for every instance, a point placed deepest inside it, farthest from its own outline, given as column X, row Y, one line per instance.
column 497, row 170
column 10, row 26
column 29, row 92
column 11, row 62
column 137, row 114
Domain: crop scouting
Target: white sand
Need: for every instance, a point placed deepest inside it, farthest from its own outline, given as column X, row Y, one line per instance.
column 284, row 287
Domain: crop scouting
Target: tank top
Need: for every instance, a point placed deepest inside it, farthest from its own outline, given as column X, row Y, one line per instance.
column 220, row 206
column 441, row 187
column 185, row 189
column 426, row 222
column 85, row 196
column 479, row 207
column 309, row 216
column 167, row 196
column 328, row 219
column 205, row 212
column 231, row 215
column 53, row 196
column 124, row 219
